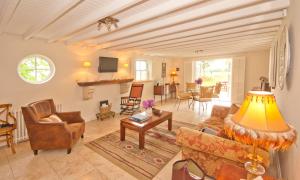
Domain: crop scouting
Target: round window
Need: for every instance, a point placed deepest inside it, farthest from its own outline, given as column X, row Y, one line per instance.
column 36, row 69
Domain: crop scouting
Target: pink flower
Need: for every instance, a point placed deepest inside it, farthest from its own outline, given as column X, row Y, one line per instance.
column 148, row 103
column 199, row 81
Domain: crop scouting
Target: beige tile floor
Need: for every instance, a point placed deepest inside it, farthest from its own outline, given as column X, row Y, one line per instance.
column 82, row 163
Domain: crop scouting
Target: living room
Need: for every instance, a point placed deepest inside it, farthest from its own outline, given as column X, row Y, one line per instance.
column 61, row 54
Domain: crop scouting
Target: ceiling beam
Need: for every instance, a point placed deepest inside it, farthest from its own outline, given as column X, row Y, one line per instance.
column 113, row 8
column 225, row 40
column 8, row 10
column 164, row 8
column 252, row 29
column 240, row 43
column 51, row 19
column 220, row 17
column 198, row 31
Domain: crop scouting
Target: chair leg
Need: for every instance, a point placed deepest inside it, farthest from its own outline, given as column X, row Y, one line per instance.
column 35, row 152
column 7, row 140
column 12, row 146
column 69, row 150
column 179, row 104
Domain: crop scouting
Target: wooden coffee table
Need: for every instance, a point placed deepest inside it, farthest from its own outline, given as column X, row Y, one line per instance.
column 142, row 127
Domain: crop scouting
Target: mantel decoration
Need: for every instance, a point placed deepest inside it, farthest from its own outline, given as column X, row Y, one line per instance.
column 280, row 59
column 108, row 22
column 260, row 123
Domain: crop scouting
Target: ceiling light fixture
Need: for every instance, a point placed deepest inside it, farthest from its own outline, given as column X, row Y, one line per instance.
column 108, row 22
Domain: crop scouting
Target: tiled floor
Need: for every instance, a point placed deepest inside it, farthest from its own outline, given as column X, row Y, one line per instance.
column 82, row 163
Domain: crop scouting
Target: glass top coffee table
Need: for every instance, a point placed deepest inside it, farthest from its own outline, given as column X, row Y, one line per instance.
column 142, row 127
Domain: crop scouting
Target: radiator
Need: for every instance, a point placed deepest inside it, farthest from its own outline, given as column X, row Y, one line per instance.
column 20, row 134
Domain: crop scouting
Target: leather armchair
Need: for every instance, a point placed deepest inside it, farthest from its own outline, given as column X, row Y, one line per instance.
column 52, row 135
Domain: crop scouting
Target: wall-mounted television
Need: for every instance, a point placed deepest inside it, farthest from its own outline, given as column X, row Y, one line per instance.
column 108, row 64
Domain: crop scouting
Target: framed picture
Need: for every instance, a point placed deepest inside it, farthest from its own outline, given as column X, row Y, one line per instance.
column 163, row 70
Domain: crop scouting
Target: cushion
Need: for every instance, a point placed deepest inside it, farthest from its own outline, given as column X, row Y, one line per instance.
column 51, row 119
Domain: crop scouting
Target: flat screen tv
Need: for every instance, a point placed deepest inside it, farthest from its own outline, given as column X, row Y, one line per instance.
column 108, row 64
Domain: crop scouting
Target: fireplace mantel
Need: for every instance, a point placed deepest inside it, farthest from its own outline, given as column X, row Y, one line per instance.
column 104, row 82
column 88, row 87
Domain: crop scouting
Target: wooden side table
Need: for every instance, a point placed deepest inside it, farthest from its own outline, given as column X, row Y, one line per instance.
column 232, row 172
column 159, row 91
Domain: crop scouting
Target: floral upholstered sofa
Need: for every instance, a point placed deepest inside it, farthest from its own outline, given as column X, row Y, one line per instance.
column 211, row 151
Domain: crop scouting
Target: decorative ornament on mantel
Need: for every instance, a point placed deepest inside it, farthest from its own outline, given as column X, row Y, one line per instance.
column 107, row 22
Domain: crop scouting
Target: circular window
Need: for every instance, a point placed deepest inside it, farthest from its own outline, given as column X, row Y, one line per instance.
column 36, row 69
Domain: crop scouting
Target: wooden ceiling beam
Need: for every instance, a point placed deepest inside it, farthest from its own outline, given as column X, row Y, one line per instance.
column 246, row 30
column 181, row 35
column 51, row 19
column 163, row 9
column 226, row 40
column 218, row 17
column 95, row 16
column 9, row 8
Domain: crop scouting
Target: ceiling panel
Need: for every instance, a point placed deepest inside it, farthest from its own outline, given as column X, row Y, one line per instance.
column 30, row 12
column 167, row 27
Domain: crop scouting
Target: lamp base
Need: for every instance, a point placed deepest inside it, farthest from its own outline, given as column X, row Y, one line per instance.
column 255, row 168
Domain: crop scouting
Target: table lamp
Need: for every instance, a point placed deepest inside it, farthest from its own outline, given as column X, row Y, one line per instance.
column 260, row 123
column 173, row 75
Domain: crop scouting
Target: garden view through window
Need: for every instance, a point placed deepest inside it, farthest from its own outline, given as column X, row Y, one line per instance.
column 213, row 72
column 36, row 69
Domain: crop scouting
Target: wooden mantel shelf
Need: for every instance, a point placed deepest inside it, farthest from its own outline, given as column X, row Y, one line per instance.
column 103, row 82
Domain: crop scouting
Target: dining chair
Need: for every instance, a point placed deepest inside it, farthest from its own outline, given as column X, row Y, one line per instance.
column 8, row 124
column 190, row 87
column 217, row 90
column 205, row 96
column 181, row 96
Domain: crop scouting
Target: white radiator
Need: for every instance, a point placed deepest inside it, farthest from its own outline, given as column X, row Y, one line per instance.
column 20, row 133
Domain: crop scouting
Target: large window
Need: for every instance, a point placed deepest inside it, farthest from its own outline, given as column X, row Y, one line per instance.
column 36, row 69
column 141, row 70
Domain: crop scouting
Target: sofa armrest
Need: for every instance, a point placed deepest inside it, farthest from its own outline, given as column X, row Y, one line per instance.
column 70, row 117
column 220, row 111
column 217, row 146
column 43, row 134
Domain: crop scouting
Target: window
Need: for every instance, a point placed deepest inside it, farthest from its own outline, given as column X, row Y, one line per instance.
column 36, row 69
column 141, row 70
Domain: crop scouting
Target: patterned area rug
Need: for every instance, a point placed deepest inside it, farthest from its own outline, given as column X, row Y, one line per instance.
column 159, row 149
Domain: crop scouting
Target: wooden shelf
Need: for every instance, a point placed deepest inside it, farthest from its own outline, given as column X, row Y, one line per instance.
column 103, row 82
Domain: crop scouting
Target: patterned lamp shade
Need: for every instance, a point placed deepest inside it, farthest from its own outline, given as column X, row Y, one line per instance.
column 259, row 121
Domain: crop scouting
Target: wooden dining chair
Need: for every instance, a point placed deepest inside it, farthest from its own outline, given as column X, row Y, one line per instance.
column 217, row 90
column 205, row 96
column 190, row 87
column 8, row 124
column 182, row 96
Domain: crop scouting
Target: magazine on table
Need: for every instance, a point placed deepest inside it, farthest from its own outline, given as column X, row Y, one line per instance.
column 140, row 117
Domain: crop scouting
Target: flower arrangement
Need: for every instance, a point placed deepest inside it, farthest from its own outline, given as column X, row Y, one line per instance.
column 148, row 103
column 199, row 81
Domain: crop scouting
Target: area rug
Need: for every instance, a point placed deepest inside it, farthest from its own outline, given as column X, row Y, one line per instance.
column 159, row 149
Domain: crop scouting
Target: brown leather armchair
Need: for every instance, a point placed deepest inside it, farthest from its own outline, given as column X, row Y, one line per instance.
column 52, row 135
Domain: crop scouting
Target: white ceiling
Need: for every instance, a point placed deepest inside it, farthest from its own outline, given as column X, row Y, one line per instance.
column 164, row 27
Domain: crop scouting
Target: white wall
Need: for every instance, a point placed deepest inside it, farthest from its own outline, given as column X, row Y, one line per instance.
column 257, row 64
column 63, row 87
column 288, row 99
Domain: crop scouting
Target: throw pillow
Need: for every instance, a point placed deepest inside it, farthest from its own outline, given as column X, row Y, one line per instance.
column 51, row 119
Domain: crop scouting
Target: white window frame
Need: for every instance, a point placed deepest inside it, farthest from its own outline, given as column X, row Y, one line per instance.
column 148, row 70
column 51, row 65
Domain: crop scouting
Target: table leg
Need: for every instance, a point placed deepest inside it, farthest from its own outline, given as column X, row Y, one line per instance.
column 122, row 132
column 170, row 124
column 141, row 139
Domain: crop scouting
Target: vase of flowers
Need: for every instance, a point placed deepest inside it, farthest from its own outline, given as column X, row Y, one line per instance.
column 199, row 81
column 147, row 105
